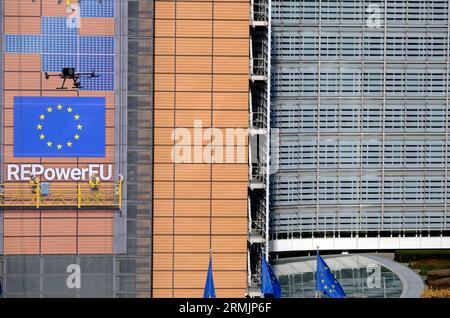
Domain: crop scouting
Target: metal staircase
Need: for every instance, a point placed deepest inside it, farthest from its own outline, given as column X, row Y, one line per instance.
column 259, row 141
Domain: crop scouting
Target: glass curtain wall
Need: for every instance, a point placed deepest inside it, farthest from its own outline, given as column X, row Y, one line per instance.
column 360, row 95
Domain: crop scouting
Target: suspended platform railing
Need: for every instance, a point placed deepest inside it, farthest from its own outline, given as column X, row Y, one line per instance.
column 61, row 195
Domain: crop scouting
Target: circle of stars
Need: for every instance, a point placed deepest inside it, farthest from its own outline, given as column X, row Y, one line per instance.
column 50, row 143
column 327, row 288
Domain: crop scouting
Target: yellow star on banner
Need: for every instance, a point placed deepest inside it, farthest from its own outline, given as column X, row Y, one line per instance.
column 79, row 127
column 42, row 116
column 42, row 136
column 77, row 117
column 60, row 107
column 49, row 144
column 49, row 109
column 59, row 146
column 69, row 109
column 76, row 137
column 69, row 144
column 39, row 127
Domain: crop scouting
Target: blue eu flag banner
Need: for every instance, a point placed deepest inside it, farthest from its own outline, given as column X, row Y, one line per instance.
column 269, row 282
column 59, row 126
column 209, row 291
column 325, row 281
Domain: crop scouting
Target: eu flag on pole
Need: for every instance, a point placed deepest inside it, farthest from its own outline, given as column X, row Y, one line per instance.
column 325, row 281
column 59, row 126
column 270, row 287
column 209, row 291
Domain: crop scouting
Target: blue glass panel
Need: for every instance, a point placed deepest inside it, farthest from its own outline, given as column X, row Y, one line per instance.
column 96, row 45
column 97, row 63
column 105, row 82
column 97, row 9
column 57, row 25
column 23, row 44
column 55, row 63
column 59, row 44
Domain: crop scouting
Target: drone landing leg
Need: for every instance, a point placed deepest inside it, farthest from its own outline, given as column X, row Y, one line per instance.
column 76, row 84
column 62, row 86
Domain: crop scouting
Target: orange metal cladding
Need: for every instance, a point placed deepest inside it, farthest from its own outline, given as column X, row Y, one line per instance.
column 40, row 231
column 201, row 73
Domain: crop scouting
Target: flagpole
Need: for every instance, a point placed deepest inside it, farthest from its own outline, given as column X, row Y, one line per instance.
column 317, row 253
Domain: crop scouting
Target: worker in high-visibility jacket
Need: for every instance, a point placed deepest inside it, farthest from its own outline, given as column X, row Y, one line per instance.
column 2, row 194
column 94, row 183
column 34, row 182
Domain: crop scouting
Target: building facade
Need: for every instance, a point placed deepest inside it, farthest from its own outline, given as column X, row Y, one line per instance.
column 200, row 202
column 100, row 237
column 360, row 95
column 191, row 99
column 150, row 71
